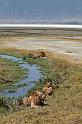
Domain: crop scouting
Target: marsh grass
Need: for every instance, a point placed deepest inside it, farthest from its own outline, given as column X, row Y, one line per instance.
column 13, row 90
column 10, row 73
column 7, row 105
column 22, row 85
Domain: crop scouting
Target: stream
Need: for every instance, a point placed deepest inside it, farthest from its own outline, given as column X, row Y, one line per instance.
column 33, row 74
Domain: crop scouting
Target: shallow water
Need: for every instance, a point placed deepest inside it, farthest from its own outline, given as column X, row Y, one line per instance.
column 33, row 73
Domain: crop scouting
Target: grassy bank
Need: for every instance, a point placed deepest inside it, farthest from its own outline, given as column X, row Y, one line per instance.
column 65, row 105
column 10, row 73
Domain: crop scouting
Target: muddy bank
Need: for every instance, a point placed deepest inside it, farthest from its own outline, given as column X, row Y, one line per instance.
column 71, row 48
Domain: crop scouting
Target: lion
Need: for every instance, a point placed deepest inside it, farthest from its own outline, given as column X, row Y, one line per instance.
column 42, row 54
column 37, row 98
column 48, row 89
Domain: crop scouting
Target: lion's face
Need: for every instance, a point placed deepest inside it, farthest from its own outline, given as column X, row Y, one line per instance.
column 47, row 90
column 41, row 96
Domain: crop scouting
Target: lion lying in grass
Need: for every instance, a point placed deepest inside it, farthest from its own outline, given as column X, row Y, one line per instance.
column 48, row 89
column 37, row 98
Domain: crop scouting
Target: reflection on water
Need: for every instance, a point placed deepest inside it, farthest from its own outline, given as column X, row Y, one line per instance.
column 33, row 74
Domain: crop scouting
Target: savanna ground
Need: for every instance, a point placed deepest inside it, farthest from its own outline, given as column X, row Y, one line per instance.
column 65, row 105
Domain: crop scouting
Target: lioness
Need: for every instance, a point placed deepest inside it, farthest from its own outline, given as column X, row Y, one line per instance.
column 47, row 90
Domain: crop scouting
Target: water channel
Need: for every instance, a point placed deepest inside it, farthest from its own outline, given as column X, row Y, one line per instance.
column 33, row 74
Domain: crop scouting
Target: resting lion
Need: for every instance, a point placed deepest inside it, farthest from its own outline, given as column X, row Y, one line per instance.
column 37, row 98
column 47, row 90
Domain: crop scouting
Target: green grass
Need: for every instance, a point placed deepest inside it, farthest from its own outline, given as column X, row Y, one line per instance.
column 64, row 106
column 10, row 73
